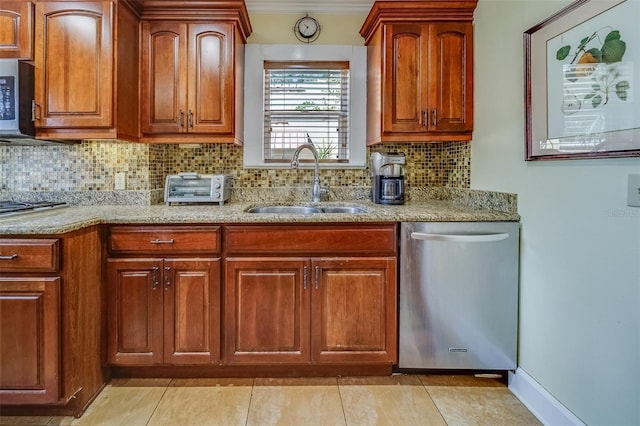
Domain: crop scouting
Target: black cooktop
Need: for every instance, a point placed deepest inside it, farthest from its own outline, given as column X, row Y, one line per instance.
column 16, row 207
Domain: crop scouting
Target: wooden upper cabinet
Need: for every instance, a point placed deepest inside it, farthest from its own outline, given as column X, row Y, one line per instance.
column 405, row 89
column 164, row 77
column 420, row 71
column 210, row 94
column 429, row 86
column 189, row 81
column 74, row 65
column 16, row 29
column 451, row 77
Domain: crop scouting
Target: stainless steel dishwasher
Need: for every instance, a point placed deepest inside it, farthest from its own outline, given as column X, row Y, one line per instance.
column 459, row 295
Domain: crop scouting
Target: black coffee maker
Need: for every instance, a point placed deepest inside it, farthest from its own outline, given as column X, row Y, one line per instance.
column 387, row 169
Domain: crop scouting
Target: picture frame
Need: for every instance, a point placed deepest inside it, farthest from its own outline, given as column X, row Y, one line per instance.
column 582, row 69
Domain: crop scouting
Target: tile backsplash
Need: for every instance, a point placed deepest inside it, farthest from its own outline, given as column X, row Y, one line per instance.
column 91, row 167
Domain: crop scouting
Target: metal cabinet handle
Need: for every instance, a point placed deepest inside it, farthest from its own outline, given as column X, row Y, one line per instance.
column 10, row 257
column 434, row 117
column 190, row 119
column 424, row 118
column 304, row 277
column 34, row 106
column 156, row 282
column 317, row 277
column 181, row 118
column 162, row 241
column 167, row 278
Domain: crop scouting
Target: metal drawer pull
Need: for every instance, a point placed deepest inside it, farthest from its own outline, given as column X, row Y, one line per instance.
column 434, row 114
column 191, row 119
column 162, row 241
column 317, row 277
column 10, row 257
column 181, row 118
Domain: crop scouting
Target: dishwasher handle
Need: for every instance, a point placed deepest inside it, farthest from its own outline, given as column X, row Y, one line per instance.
column 460, row 238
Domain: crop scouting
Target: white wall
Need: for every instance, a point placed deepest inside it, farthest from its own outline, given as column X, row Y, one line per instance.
column 580, row 259
column 278, row 29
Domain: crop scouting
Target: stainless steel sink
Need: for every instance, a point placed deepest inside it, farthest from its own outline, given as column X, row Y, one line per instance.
column 343, row 209
column 307, row 209
column 285, row 210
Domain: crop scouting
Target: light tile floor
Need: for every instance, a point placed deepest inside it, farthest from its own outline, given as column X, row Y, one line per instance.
column 395, row 400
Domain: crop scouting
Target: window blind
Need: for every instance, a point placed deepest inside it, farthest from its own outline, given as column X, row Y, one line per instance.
column 306, row 102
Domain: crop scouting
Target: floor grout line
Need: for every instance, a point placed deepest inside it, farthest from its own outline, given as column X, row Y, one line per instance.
column 253, row 386
column 435, row 404
column 158, row 403
column 344, row 413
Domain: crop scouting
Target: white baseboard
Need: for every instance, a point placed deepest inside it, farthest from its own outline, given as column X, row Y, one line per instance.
column 541, row 403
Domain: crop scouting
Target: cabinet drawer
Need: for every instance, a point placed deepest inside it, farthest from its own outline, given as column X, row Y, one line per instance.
column 161, row 239
column 311, row 239
column 29, row 255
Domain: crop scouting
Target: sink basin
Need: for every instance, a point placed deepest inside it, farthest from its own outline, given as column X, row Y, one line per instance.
column 343, row 209
column 285, row 210
column 306, row 209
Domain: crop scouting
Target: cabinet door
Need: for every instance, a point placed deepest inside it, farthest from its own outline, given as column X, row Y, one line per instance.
column 30, row 340
column 405, row 83
column 163, row 84
column 267, row 310
column 135, row 295
column 210, row 71
column 191, row 311
column 74, row 64
column 354, row 310
column 450, row 77
column 16, row 27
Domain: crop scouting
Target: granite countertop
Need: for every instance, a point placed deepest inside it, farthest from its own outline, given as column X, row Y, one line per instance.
column 474, row 206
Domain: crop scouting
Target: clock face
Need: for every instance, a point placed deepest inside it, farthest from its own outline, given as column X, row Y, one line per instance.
column 307, row 27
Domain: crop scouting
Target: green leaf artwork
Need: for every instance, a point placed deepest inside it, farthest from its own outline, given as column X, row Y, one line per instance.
column 591, row 54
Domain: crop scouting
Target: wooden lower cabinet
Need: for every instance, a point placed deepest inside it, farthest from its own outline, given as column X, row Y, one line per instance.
column 353, row 310
column 30, row 340
column 51, row 323
column 267, row 310
column 244, row 299
column 310, row 310
column 163, row 311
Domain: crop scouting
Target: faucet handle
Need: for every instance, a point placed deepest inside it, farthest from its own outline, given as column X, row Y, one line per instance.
column 324, row 190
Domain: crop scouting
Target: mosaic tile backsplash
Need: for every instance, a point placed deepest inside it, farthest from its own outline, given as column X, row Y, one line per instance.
column 91, row 166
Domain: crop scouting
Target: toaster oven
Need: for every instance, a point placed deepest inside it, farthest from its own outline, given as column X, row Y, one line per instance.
column 197, row 188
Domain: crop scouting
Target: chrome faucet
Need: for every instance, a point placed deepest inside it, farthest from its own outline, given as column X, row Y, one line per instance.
column 317, row 191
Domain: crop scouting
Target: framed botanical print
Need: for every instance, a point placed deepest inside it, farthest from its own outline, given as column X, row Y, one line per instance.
column 582, row 71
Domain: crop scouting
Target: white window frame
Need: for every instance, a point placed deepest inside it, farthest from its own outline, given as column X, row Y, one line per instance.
column 256, row 54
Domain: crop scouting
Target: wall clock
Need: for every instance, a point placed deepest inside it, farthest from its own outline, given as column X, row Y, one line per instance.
column 307, row 29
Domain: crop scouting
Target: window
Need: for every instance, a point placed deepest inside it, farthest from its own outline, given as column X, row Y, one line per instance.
column 306, row 102
column 296, row 94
